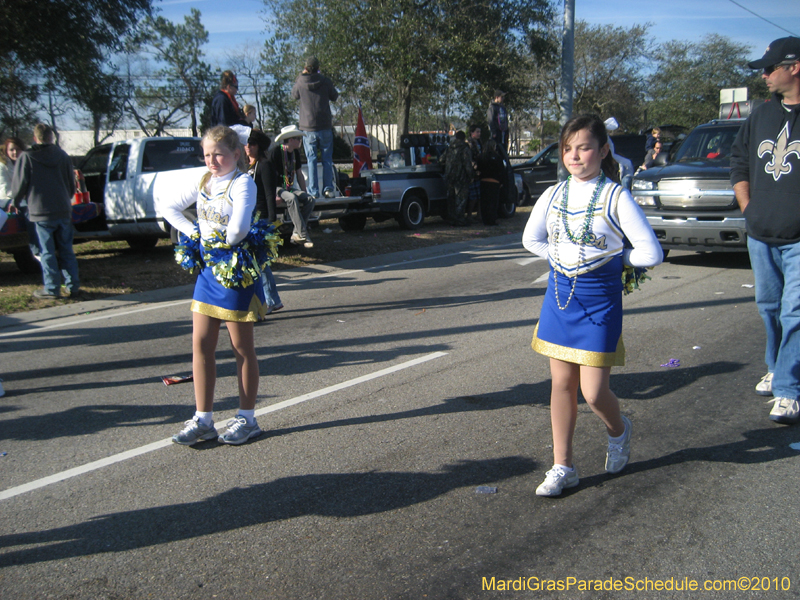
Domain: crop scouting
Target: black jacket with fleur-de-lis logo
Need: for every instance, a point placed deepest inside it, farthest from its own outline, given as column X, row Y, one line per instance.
column 767, row 154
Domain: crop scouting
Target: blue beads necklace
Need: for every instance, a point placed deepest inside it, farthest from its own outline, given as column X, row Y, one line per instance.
column 586, row 236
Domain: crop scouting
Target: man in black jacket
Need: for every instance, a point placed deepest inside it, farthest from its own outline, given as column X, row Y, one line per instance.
column 765, row 173
column 44, row 176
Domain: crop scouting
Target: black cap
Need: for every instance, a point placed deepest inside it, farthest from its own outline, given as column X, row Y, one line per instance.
column 497, row 93
column 312, row 64
column 783, row 50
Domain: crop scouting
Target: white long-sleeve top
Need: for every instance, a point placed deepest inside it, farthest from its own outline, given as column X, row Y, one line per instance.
column 616, row 218
column 227, row 207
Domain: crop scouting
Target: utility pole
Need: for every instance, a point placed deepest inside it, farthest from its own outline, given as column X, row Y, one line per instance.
column 567, row 70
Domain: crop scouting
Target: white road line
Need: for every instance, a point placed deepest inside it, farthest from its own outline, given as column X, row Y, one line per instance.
column 524, row 262
column 97, row 318
column 99, row 464
column 542, row 277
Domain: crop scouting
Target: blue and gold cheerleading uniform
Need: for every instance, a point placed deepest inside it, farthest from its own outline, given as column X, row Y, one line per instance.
column 581, row 317
column 222, row 246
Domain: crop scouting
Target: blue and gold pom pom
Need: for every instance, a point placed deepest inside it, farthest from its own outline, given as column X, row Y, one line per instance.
column 188, row 251
column 240, row 265
column 632, row 278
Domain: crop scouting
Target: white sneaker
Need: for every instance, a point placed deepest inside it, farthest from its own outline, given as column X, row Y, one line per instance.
column 308, row 243
column 619, row 454
column 556, row 480
column 329, row 194
column 764, row 387
column 239, row 431
column 784, row 410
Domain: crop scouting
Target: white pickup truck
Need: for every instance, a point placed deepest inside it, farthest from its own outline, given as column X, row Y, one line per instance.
column 119, row 179
column 123, row 175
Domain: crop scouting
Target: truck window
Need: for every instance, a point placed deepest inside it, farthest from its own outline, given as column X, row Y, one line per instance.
column 171, row 154
column 119, row 163
column 708, row 144
column 96, row 161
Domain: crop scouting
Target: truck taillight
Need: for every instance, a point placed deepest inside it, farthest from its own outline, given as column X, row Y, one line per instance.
column 376, row 189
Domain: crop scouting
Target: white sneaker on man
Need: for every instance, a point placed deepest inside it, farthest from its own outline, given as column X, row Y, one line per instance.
column 784, row 410
column 764, row 387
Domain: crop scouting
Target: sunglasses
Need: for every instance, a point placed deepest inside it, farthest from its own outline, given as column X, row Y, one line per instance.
column 773, row 68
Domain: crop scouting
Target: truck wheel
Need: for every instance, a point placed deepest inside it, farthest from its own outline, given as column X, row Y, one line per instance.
column 353, row 222
column 144, row 242
column 412, row 212
column 26, row 262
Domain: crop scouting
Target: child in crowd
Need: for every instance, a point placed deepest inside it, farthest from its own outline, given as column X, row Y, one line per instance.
column 226, row 198
column 589, row 228
column 256, row 149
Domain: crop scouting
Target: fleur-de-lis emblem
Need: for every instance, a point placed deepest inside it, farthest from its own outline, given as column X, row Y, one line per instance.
column 781, row 149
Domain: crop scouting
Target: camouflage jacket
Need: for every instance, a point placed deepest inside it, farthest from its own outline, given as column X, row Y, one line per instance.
column 458, row 163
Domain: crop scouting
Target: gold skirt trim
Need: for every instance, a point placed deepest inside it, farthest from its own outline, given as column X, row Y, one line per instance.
column 579, row 357
column 256, row 310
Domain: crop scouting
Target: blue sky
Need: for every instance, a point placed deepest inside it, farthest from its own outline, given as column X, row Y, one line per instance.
column 233, row 24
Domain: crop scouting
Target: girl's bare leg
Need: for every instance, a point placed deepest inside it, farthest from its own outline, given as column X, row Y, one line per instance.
column 205, row 334
column 600, row 398
column 563, row 408
column 244, row 348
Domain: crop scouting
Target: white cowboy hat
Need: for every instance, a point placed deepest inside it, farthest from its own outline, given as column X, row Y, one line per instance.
column 287, row 132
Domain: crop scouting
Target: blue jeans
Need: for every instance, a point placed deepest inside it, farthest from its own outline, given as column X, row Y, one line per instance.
column 30, row 227
column 321, row 141
column 55, row 241
column 270, row 288
column 777, row 274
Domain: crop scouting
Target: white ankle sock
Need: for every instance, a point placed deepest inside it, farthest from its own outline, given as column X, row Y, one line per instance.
column 250, row 415
column 206, row 418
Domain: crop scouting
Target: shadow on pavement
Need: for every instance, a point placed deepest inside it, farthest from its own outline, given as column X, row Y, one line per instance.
column 328, row 495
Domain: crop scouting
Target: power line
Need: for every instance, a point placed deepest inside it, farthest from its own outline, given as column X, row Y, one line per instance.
column 764, row 19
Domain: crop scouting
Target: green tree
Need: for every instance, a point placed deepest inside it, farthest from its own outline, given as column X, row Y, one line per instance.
column 414, row 47
column 17, row 100
column 64, row 39
column 609, row 63
column 179, row 47
column 608, row 74
column 280, row 60
column 685, row 87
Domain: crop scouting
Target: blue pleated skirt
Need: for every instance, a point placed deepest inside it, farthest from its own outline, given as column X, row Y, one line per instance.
column 589, row 330
column 240, row 304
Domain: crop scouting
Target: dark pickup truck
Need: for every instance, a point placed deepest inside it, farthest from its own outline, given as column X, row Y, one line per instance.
column 410, row 185
column 689, row 201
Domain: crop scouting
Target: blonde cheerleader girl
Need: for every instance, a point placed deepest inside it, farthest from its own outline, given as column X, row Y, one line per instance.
column 223, row 247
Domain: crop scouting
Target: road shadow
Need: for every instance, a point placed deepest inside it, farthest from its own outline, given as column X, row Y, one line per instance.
column 714, row 260
column 656, row 384
column 758, row 446
column 346, row 495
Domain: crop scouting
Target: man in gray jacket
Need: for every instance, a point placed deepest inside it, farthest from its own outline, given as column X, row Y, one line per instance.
column 316, row 92
column 45, row 177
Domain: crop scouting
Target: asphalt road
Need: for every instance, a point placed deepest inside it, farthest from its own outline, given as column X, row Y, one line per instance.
column 392, row 391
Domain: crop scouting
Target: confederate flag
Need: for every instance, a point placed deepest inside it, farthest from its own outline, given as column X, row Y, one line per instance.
column 362, row 159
